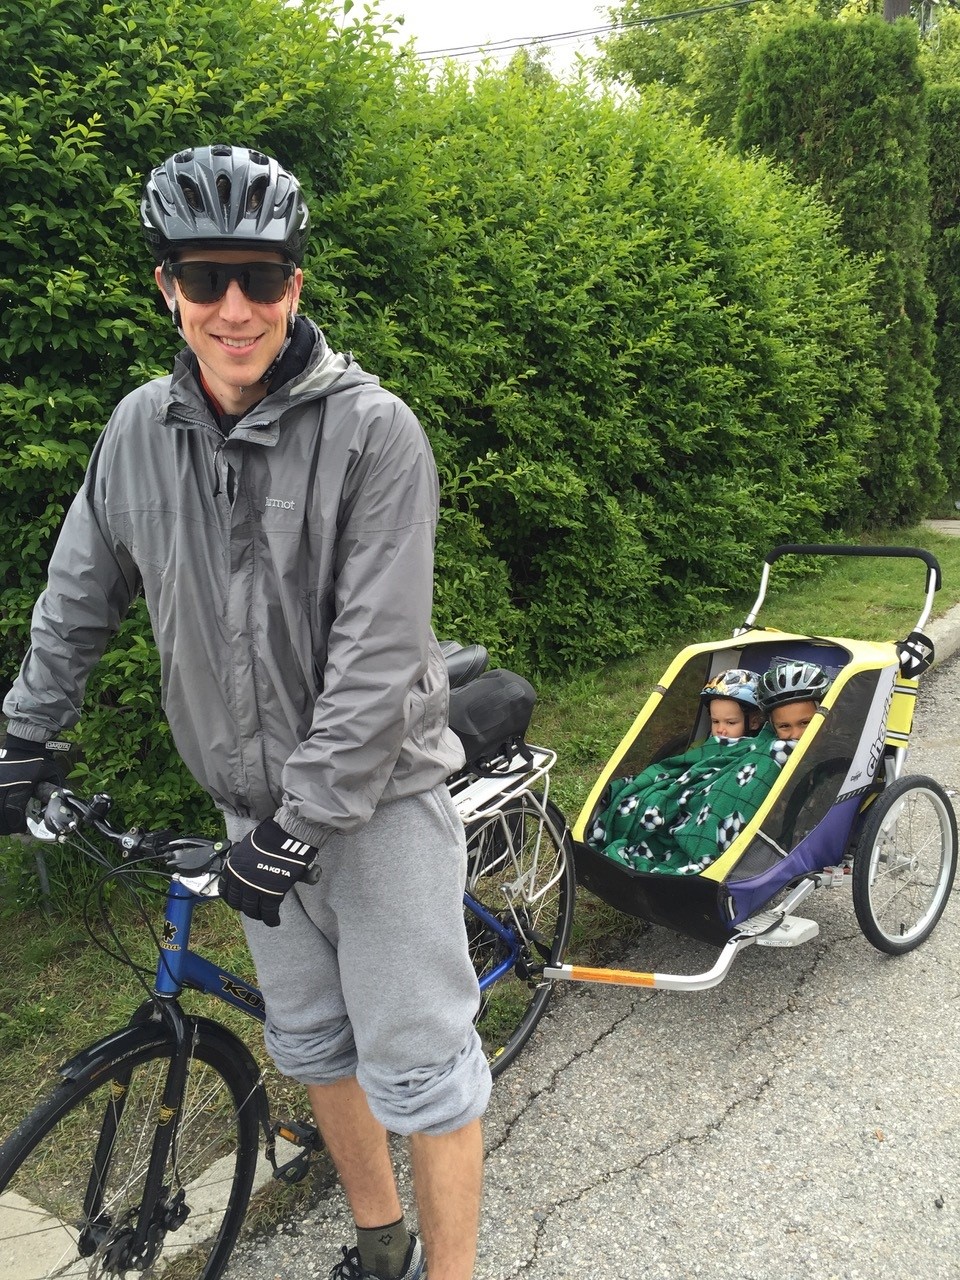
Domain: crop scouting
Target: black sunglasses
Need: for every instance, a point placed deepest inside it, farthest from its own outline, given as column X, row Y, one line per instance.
column 209, row 281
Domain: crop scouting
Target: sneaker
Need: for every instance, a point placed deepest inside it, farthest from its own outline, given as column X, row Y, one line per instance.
column 349, row 1268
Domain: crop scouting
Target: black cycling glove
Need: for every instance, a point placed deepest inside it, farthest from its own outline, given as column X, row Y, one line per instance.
column 261, row 868
column 24, row 764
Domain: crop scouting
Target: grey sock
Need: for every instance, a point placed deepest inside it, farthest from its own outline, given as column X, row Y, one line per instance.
column 384, row 1250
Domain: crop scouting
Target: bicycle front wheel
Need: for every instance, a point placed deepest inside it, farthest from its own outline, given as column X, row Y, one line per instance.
column 519, row 912
column 72, row 1175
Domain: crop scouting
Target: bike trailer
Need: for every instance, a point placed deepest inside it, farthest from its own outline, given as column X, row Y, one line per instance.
column 812, row 815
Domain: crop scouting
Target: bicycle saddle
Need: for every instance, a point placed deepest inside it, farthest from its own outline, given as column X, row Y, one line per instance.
column 464, row 662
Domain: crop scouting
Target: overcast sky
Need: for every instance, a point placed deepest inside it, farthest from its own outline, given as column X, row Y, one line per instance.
column 441, row 24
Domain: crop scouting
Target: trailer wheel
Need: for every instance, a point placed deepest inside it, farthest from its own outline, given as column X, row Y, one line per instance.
column 904, row 863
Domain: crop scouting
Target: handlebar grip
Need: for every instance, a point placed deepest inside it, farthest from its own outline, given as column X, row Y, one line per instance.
column 840, row 549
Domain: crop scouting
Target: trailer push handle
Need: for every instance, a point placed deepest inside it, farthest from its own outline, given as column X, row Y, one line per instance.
column 934, row 576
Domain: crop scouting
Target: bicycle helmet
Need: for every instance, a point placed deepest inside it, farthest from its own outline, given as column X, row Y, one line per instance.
column 223, row 197
column 792, row 682
column 737, row 683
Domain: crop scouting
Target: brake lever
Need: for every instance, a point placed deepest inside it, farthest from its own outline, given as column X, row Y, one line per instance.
column 56, row 822
column 191, row 854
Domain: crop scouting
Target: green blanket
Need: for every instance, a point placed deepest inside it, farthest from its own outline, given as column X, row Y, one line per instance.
column 680, row 814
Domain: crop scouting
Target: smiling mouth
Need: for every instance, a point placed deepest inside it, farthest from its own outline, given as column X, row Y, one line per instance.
column 237, row 342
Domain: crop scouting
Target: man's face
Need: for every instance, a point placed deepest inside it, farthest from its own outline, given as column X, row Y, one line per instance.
column 789, row 722
column 234, row 339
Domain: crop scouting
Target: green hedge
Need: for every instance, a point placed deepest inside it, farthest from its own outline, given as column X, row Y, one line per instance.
column 653, row 359
column 640, row 361
column 944, row 113
column 843, row 106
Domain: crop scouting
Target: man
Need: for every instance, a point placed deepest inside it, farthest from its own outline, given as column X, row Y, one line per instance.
column 278, row 508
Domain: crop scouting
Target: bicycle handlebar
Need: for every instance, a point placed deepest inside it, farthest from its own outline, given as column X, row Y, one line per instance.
column 64, row 812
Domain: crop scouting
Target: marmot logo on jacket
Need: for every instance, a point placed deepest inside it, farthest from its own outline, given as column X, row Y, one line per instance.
column 281, row 503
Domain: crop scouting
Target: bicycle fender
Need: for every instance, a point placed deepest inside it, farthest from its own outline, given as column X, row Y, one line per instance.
column 104, row 1054
column 118, row 1045
column 212, row 1031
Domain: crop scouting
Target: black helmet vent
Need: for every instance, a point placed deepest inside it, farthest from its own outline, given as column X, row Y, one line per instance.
column 258, row 189
column 191, row 193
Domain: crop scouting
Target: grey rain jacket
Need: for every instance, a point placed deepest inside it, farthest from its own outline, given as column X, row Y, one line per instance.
column 288, row 572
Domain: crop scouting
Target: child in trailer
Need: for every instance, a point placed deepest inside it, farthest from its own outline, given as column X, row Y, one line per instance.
column 680, row 814
column 731, row 700
column 789, row 694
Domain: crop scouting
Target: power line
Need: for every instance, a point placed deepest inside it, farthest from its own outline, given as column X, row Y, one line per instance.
column 515, row 42
column 558, row 37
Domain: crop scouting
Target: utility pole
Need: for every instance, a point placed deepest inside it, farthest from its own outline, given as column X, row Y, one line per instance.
column 894, row 9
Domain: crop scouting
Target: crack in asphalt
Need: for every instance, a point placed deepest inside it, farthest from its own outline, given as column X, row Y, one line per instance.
column 803, row 980
column 552, row 1082
column 709, row 1129
column 688, row 1140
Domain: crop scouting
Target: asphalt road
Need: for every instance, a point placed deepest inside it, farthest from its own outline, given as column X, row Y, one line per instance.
column 798, row 1122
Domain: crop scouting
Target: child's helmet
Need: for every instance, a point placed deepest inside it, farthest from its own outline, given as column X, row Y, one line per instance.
column 737, row 683
column 792, row 682
column 223, row 197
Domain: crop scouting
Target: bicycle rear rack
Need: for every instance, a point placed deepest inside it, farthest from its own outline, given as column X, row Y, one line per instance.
column 476, row 798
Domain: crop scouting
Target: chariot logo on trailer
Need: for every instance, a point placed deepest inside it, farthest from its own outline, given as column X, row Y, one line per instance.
column 870, row 747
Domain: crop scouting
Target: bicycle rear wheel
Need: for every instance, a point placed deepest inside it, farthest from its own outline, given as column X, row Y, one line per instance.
column 519, row 912
column 72, row 1174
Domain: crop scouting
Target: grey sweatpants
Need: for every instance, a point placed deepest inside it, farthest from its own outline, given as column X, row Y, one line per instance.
column 368, row 972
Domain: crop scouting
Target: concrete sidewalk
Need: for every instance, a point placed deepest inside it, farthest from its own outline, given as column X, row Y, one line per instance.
column 945, row 631
column 950, row 528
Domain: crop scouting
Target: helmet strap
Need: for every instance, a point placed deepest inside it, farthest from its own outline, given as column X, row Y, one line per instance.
column 170, row 297
column 270, row 373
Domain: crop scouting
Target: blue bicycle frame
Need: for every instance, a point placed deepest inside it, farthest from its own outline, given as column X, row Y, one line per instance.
column 179, row 967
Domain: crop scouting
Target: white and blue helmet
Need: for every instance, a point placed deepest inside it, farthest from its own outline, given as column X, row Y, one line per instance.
column 737, row 683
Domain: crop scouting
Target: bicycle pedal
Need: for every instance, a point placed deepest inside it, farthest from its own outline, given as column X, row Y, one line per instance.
column 294, row 1170
column 297, row 1134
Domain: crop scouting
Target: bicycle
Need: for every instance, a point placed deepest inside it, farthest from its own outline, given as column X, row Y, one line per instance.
column 144, row 1158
